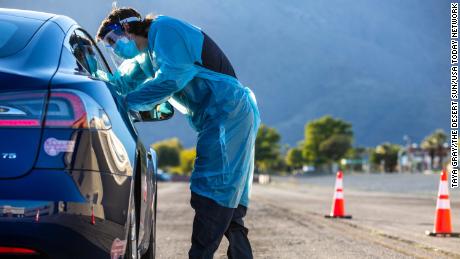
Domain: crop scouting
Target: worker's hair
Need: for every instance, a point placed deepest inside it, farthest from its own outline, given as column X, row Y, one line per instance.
column 139, row 28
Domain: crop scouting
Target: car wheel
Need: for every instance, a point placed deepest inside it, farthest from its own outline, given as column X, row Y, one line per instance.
column 150, row 253
column 131, row 248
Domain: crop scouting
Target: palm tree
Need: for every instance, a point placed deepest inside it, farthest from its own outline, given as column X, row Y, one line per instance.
column 434, row 144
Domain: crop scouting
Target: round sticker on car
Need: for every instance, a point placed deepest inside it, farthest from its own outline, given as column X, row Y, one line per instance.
column 54, row 146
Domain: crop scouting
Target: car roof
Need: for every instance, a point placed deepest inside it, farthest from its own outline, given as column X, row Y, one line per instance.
column 27, row 14
column 63, row 21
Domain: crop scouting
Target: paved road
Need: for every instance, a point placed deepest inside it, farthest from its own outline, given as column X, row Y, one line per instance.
column 417, row 183
column 286, row 219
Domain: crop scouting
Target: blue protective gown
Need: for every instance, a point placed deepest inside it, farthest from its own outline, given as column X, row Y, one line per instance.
column 131, row 73
column 220, row 109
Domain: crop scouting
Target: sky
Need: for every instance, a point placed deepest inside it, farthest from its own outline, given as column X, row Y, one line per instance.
column 381, row 65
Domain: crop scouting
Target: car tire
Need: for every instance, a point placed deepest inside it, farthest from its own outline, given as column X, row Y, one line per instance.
column 150, row 253
column 131, row 246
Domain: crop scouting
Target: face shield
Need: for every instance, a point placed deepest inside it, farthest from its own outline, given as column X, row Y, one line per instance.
column 117, row 43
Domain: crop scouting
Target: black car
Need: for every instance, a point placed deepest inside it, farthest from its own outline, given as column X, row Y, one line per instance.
column 75, row 179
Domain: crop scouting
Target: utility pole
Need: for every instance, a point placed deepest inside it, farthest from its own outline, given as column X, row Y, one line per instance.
column 407, row 139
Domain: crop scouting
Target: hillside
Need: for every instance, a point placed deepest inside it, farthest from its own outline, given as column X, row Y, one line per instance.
column 382, row 65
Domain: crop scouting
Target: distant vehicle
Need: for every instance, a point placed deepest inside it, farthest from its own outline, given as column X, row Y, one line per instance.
column 163, row 176
column 75, row 180
column 308, row 168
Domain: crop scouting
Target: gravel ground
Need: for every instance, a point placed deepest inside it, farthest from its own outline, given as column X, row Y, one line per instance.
column 286, row 221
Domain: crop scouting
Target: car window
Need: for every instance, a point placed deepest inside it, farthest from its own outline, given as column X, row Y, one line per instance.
column 15, row 33
column 88, row 55
column 70, row 63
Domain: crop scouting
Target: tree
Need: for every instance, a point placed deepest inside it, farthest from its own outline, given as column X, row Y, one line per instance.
column 386, row 154
column 434, row 144
column 326, row 140
column 168, row 152
column 358, row 157
column 267, row 149
column 294, row 158
column 187, row 160
column 335, row 147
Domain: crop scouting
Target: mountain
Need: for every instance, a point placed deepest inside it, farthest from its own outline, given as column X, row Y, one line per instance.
column 381, row 65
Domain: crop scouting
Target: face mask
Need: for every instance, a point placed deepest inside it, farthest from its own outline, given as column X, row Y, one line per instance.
column 126, row 48
column 92, row 63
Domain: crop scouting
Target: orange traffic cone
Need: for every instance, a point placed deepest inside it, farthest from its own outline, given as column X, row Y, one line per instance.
column 93, row 219
column 338, row 204
column 442, row 222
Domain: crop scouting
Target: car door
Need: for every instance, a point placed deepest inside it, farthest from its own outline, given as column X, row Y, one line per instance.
column 84, row 50
column 112, row 152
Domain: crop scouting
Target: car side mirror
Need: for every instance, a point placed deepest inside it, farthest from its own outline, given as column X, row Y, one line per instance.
column 163, row 111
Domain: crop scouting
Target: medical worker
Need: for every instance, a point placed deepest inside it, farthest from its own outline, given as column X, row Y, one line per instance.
column 191, row 69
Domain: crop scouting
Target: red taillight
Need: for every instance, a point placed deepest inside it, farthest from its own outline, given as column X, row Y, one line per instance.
column 6, row 250
column 74, row 109
column 21, row 109
column 19, row 123
column 65, row 108
column 69, row 111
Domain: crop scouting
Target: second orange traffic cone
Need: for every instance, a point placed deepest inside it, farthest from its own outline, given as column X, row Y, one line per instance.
column 338, row 204
column 442, row 222
column 93, row 219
